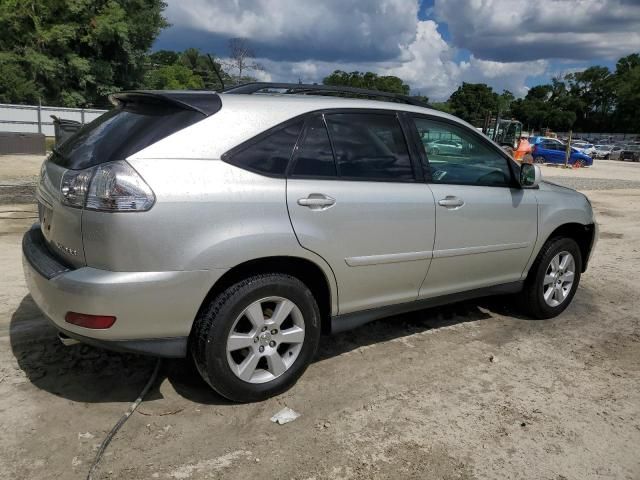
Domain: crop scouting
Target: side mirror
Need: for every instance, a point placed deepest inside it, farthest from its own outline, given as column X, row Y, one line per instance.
column 530, row 175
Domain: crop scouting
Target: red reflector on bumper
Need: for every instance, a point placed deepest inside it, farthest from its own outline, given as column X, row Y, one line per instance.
column 90, row 321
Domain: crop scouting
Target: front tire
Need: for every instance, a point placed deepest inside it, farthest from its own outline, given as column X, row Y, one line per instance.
column 256, row 338
column 553, row 279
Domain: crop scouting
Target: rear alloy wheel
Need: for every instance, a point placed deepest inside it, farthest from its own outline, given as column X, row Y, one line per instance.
column 553, row 278
column 265, row 340
column 257, row 337
column 538, row 159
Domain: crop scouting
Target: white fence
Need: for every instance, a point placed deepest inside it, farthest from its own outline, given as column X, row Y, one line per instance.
column 37, row 119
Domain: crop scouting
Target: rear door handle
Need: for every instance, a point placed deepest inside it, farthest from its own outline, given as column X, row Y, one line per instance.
column 317, row 201
column 451, row 202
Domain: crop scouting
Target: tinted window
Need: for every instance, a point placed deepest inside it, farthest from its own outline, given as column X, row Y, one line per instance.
column 269, row 154
column 121, row 132
column 314, row 156
column 459, row 156
column 369, row 146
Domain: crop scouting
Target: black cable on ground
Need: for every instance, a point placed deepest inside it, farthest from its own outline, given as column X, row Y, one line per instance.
column 124, row 418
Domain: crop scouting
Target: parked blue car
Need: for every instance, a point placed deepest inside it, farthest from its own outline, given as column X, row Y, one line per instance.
column 553, row 151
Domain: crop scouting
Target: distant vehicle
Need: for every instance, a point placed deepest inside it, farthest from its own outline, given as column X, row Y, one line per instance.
column 616, row 150
column 630, row 153
column 603, row 151
column 539, row 139
column 586, row 148
column 552, row 151
column 444, row 147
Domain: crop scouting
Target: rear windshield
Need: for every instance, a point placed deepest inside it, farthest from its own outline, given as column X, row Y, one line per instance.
column 121, row 132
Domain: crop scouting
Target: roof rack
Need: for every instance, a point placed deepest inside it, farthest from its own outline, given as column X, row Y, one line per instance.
column 313, row 89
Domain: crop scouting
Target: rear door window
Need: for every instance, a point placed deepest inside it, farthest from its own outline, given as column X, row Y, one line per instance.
column 369, row 147
column 314, row 156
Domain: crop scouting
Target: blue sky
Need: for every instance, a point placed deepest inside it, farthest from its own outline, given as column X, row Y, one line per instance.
column 434, row 45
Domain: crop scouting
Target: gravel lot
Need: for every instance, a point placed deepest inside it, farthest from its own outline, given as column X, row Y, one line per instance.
column 471, row 391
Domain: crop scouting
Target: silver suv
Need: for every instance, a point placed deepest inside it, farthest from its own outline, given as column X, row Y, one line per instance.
column 236, row 227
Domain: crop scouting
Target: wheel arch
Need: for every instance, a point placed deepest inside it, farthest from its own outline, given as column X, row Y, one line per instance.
column 584, row 236
column 308, row 272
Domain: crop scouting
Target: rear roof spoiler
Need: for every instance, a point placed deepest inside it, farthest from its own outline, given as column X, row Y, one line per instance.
column 204, row 102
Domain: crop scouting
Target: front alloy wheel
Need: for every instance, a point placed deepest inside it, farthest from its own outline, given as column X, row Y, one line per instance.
column 553, row 278
column 558, row 279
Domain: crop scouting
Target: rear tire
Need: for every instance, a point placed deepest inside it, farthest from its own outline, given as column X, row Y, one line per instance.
column 539, row 160
column 256, row 338
column 551, row 285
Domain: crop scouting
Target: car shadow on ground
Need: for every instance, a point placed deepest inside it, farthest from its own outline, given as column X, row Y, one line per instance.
column 83, row 373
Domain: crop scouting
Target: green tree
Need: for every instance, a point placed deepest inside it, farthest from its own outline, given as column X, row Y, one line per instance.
column 442, row 106
column 473, row 102
column 547, row 106
column 595, row 89
column 505, row 99
column 368, row 80
column 163, row 57
column 627, row 89
column 75, row 52
column 205, row 65
column 190, row 69
column 173, row 77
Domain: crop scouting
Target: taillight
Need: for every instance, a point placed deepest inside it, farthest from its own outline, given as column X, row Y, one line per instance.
column 110, row 187
column 74, row 187
column 117, row 187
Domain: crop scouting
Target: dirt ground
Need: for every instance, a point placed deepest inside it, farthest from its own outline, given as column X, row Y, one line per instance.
column 416, row 396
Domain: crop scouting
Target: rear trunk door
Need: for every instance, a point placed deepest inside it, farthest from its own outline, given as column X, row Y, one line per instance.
column 138, row 120
column 61, row 225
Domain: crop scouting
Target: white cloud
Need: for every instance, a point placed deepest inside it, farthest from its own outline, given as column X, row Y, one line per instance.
column 424, row 63
column 502, row 76
column 333, row 29
column 504, row 42
column 517, row 30
column 427, row 64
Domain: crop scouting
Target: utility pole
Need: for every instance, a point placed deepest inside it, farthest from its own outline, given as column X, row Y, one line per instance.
column 567, row 152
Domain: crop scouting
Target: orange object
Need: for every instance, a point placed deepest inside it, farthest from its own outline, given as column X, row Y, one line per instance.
column 524, row 147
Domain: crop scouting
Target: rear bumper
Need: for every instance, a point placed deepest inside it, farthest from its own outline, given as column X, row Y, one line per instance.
column 154, row 310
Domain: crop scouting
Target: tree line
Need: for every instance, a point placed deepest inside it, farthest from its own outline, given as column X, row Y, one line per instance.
column 593, row 100
column 75, row 53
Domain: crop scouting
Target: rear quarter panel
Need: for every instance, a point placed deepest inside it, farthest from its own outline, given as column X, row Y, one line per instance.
column 208, row 215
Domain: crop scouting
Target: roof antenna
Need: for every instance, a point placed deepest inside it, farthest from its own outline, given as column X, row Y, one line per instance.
column 215, row 69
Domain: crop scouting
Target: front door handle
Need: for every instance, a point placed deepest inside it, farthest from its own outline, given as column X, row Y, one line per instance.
column 317, row 201
column 451, row 202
